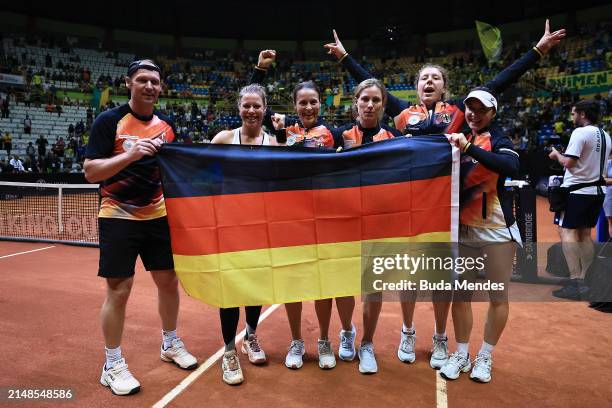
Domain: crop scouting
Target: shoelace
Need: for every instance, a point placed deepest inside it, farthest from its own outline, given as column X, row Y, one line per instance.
column 121, row 371
column 325, row 348
column 295, row 348
column 482, row 360
column 346, row 340
column 440, row 346
column 406, row 342
column 178, row 347
column 456, row 359
column 254, row 344
column 232, row 362
column 368, row 348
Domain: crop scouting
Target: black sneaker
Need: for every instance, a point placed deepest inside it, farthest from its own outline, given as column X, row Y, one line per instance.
column 572, row 292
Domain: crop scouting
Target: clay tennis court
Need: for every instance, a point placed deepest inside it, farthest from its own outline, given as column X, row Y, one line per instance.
column 552, row 354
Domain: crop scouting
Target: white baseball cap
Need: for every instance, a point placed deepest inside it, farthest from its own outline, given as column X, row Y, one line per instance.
column 483, row 96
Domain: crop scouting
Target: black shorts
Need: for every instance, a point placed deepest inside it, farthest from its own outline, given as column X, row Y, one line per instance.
column 121, row 241
column 582, row 211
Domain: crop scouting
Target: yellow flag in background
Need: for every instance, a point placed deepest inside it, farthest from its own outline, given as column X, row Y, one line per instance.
column 490, row 39
column 104, row 95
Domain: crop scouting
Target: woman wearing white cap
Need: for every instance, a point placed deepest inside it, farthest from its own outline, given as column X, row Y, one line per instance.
column 436, row 114
column 488, row 230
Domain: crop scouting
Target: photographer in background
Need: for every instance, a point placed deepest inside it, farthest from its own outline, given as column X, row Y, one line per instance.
column 584, row 161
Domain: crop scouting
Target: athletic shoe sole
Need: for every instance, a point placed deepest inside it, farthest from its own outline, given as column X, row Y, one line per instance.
column 326, row 367
column 169, row 360
column 348, row 359
column 437, row 365
column 367, row 372
column 463, row 370
column 125, row 394
column 407, row 361
column 480, row 380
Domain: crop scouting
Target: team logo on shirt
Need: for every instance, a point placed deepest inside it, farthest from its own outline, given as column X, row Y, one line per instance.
column 128, row 141
column 414, row 119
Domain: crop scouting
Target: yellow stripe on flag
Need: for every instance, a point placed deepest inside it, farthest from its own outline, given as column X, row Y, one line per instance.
column 280, row 275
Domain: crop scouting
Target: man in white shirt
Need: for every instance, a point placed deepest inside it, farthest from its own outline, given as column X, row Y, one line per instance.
column 17, row 164
column 584, row 161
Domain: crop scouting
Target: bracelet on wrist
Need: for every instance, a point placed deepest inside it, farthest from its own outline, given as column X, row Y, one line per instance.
column 539, row 51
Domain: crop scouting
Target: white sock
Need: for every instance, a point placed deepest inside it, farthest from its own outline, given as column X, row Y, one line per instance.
column 112, row 356
column 408, row 330
column 440, row 336
column 463, row 348
column 167, row 337
column 486, row 348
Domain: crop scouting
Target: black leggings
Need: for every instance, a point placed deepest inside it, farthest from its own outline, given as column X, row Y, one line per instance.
column 229, row 320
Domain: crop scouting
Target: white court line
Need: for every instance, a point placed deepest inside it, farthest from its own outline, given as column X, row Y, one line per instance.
column 441, row 396
column 26, row 252
column 206, row 365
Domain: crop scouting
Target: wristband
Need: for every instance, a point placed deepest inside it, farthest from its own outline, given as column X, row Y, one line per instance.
column 536, row 49
column 343, row 57
column 466, row 147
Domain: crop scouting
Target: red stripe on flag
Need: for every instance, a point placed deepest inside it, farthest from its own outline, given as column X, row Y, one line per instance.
column 239, row 222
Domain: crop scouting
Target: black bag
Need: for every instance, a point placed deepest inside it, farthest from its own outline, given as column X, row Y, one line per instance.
column 557, row 198
column 556, row 264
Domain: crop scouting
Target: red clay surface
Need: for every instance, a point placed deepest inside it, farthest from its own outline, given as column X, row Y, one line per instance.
column 552, row 354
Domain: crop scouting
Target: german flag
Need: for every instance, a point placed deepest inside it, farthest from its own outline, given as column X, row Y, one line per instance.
column 253, row 225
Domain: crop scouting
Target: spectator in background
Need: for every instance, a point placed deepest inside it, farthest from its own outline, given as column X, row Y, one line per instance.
column 17, row 164
column 80, row 128
column 59, row 110
column 27, row 125
column 27, row 98
column 89, row 117
column 71, row 130
column 5, row 107
column 42, row 143
column 585, row 163
column 31, row 152
column 60, row 146
column 7, row 142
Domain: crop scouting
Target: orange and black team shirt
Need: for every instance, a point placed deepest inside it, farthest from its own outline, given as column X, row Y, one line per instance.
column 484, row 201
column 135, row 192
column 353, row 135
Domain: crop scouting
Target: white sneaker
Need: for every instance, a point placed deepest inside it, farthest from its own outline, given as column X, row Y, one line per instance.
column 367, row 359
column 439, row 353
column 457, row 363
column 119, row 379
column 178, row 354
column 405, row 351
column 251, row 347
column 327, row 359
column 232, row 373
column 294, row 355
column 346, row 350
column 483, row 366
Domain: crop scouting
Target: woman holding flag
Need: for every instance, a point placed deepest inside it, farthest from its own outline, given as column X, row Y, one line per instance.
column 487, row 230
column 309, row 131
column 251, row 106
column 434, row 114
